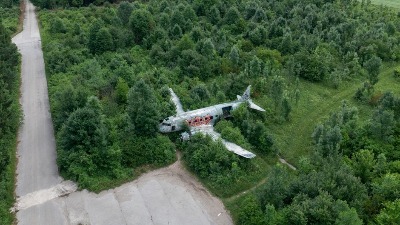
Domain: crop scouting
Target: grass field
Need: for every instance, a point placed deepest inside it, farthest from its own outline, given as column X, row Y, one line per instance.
column 317, row 101
column 390, row 3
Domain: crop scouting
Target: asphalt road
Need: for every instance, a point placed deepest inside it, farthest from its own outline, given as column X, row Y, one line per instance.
column 166, row 196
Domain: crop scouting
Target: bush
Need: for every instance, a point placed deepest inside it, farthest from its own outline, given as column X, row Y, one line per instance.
column 138, row 150
column 231, row 133
column 396, row 72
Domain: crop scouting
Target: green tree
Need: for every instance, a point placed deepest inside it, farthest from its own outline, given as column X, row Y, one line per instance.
column 121, row 91
column 6, row 110
column 206, row 48
column 177, row 18
column 143, row 109
column 83, row 130
column 260, row 138
column 255, row 67
column 214, row 15
column 124, row 12
column 390, row 214
column 363, row 163
column 104, row 41
column 92, row 42
column 373, row 66
column 176, row 32
column 234, row 56
column 81, row 141
column 382, row 124
column 250, row 212
column 57, row 26
column 232, row 17
column 258, row 36
column 327, row 140
column 65, row 102
column 141, row 23
column 387, row 187
column 348, row 217
column 276, row 188
column 277, row 88
column 200, row 94
column 286, row 108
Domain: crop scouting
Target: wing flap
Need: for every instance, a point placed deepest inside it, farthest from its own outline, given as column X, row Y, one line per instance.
column 209, row 130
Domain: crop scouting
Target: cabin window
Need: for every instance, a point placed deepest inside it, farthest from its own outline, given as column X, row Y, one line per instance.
column 173, row 128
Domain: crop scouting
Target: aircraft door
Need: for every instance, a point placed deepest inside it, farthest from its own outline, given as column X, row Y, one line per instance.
column 226, row 111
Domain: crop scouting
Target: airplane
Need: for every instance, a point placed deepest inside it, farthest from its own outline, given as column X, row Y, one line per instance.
column 202, row 120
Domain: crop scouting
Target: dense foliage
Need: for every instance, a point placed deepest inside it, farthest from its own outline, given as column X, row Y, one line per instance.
column 217, row 167
column 9, row 109
column 123, row 58
column 9, row 11
column 352, row 176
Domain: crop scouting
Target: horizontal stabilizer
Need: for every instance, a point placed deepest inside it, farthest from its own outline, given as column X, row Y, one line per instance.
column 254, row 106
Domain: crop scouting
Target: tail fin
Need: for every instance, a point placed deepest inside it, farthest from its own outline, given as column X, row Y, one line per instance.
column 246, row 97
column 246, row 94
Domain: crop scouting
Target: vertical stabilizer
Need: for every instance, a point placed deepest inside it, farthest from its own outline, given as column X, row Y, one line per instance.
column 246, row 94
column 246, row 97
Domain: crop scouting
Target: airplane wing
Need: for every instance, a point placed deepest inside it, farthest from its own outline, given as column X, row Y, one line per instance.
column 209, row 130
column 176, row 101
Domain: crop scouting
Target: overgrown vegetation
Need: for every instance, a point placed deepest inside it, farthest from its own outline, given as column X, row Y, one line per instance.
column 109, row 69
column 9, row 11
column 389, row 3
column 352, row 175
column 9, row 107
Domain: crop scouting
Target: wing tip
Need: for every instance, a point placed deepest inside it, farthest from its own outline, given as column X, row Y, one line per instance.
column 248, row 155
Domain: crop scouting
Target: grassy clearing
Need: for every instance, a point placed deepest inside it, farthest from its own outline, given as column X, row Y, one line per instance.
column 317, row 102
column 247, row 183
column 390, row 3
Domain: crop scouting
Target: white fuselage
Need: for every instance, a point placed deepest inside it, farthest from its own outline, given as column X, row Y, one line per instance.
column 204, row 116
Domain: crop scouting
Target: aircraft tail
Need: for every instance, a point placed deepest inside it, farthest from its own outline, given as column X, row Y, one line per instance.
column 246, row 97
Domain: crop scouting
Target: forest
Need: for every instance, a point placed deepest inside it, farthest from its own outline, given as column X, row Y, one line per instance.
column 9, row 106
column 326, row 71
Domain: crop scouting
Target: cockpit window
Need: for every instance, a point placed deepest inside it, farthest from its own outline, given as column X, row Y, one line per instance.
column 166, row 124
